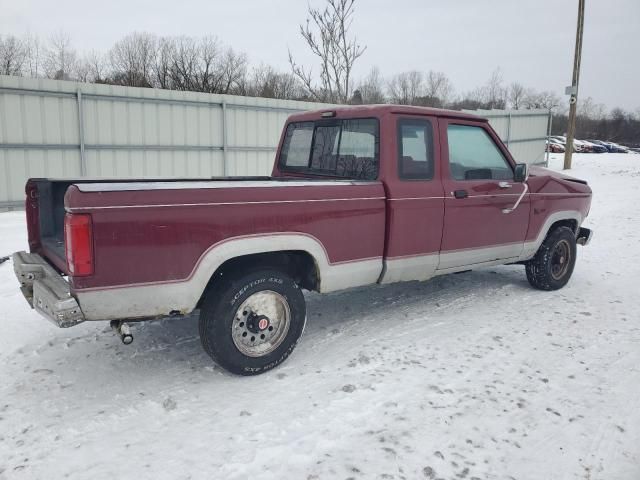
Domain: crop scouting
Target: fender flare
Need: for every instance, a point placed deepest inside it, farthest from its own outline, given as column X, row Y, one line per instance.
column 531, row 247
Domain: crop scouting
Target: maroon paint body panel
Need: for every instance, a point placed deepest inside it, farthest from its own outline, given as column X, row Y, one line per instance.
column 164, row 240
column 149, row 234
column 553, row 191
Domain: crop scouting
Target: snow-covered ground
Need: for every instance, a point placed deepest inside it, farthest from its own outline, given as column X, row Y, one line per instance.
column 470, row 376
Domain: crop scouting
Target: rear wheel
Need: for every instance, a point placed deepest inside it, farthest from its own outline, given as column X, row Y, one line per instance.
column 250, row 323
column 553, row 264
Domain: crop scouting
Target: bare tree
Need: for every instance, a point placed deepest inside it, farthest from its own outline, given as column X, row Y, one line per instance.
column 82, row 71
column 406, row 88
column 184, row 64
column 228, row 72
column 371, row 88
column 516, row 95
column 489, row 96
column 589, row 109
column 97, row 67
column 13, row 55
column 495, row 93
column 266, row 82
column 34, row 53
column 547, row 100
column 438, row 89
column 162, row 65
column 60, row 59
column 208, row 65
column 132, row 59
column 327, row 35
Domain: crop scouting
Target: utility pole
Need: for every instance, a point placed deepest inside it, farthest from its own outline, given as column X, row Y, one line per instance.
column 573, row 89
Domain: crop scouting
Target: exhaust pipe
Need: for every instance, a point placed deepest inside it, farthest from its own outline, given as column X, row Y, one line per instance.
column 123, row 331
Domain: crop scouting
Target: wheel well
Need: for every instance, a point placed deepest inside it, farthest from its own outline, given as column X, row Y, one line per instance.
column 298, row 264
column 572, row 224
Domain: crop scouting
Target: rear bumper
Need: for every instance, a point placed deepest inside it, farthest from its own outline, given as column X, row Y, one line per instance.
column 46, row 290
column 584, row 236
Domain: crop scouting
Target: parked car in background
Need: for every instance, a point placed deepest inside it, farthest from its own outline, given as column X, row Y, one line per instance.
column 554, row 146
column 620, row 148
column 582, row 146
column 589, row 146
column 608, row 147
column 613, row 147
column 594, row 147
column 560, row 140
column 577, row 146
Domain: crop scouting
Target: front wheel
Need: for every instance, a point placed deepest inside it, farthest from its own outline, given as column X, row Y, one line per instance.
column 553, row 264
column 250, row 323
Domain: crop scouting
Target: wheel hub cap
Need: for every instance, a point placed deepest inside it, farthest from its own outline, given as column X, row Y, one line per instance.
column 261, row 323
column 560, row 259
column 257, row 323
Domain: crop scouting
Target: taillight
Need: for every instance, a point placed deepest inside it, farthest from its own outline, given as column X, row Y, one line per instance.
column 78, row 244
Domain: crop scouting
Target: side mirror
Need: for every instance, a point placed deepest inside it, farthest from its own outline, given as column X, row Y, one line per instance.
column 521, row 172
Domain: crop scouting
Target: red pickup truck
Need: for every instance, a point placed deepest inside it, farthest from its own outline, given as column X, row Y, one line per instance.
column 358, row 195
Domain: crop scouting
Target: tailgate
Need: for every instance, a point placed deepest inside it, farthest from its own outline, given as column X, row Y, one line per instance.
column 45, row 219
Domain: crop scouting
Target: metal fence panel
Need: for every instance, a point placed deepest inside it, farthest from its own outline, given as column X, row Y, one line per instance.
column 63, row 129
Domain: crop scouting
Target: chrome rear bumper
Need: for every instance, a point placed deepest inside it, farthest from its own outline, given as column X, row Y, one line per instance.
column 584, row 236
column 46, row 290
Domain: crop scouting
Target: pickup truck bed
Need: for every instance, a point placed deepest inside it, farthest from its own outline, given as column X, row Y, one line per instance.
column 51, row 209
column 136, row 221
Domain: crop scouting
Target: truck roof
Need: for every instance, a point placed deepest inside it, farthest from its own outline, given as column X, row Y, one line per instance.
column 379, row 110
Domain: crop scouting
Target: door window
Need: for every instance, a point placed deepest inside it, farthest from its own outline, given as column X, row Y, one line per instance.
column 415, row 145
column 473, row 155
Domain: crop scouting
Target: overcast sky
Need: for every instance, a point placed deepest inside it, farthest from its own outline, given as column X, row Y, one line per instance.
column 532, row 41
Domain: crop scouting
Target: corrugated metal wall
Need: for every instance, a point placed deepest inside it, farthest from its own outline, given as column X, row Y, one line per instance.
column 63, row 129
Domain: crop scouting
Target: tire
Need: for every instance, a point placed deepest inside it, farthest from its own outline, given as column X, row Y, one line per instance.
column 550, row 269
column 233, row 315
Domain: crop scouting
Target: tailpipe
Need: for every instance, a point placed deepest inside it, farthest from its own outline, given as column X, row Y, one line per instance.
column 123, row 330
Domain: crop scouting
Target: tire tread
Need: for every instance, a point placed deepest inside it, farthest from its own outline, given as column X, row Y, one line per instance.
column 538, row 268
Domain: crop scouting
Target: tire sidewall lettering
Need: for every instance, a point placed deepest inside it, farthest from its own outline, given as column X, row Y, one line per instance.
column 240, row 293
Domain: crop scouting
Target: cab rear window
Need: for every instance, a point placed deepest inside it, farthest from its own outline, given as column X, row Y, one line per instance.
column 338, row 148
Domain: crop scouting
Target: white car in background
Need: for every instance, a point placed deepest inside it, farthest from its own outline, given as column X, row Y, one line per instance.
column 577, row 147
column 582, row 146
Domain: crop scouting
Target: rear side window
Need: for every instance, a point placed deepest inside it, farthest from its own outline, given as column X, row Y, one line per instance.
column 324, row 156
column 340, row 148
column 473, row 155
column 299, row 142
column 415, row 149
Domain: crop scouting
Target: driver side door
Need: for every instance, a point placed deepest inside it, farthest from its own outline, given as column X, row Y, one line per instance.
column 479, row 188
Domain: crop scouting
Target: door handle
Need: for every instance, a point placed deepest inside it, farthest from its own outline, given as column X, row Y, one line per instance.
column 460, row 194
column 524, row 191
column 505, row 185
